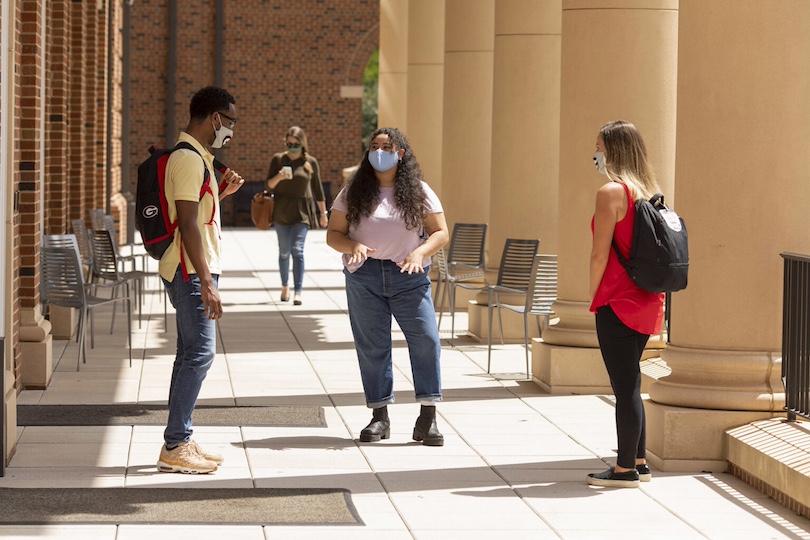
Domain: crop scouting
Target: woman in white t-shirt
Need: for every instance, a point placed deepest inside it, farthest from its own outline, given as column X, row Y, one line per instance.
column 387, row 222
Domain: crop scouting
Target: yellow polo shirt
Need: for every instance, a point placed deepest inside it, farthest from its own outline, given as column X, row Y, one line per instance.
column 184, row 179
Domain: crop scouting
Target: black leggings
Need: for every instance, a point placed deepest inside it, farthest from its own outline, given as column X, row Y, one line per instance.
column 621, row 350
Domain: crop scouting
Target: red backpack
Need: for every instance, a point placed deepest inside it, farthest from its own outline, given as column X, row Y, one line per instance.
column 151, row 207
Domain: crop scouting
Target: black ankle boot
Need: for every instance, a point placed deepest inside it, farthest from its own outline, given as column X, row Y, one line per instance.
column 379, row 428
column 425, row 429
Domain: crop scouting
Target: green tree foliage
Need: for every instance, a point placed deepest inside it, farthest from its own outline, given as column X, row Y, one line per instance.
column 370, row 78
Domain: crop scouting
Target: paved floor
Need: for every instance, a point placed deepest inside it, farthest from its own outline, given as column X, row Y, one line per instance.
column 513, row 464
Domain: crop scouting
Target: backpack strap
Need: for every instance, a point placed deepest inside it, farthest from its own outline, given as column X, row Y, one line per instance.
column 631, row 207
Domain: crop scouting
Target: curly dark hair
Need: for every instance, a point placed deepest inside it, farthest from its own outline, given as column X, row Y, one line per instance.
column 209, row 100
column 362, row 190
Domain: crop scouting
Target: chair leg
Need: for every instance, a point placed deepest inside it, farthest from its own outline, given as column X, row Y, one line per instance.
column 500, row 325
column 452, row 315
column 165, row 310
column 526, row 341
column 80, row 337
column 129, row 329
column 489, row 337
column 441, row 303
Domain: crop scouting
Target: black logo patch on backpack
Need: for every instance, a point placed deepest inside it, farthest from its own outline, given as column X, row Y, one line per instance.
column 659, row 253
column 151, row 207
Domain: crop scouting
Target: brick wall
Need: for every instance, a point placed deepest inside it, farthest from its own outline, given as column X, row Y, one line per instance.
column 76, row 112
column 16, row 229
column 283, row 62
column 56, row 111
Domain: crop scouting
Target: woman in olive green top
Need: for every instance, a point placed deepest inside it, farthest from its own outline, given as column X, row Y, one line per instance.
column 295, row 177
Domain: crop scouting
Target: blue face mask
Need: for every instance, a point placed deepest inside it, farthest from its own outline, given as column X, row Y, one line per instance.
column 382, row 160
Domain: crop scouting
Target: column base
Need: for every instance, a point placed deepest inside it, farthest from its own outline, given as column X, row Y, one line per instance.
column 569, row 370
column 63, row 321
column 680, row 439
column 37, row 363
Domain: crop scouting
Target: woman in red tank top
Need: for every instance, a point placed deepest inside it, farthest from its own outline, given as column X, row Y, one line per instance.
column 626, row 315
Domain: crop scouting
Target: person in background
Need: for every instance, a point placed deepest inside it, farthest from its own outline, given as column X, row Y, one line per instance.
column 387, row 223
column 190, row 269
column 295, row 177
column 626, row 315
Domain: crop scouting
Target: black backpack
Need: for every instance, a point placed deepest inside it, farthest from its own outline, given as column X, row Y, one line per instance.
column 659, row 253
column 151, row 207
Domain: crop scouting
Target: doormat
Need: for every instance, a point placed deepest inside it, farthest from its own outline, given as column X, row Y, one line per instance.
column 157, row 415
column 258, row 506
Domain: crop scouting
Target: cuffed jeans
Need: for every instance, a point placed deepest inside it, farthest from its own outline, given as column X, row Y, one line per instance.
column 622, row 348
column 376, row 292
column 291, row 241
column 196, row 348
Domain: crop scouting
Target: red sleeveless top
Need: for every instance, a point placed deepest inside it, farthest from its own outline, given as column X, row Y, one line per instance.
column 638, row 309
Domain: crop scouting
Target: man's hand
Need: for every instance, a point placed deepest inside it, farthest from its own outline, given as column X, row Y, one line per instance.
column 212, row 305
column 323, row 221
column 232, row 182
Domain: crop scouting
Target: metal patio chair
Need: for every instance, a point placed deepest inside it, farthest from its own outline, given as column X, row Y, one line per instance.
column 106, row 268
column 541, row 294
column 465, row 261
column 63, row 285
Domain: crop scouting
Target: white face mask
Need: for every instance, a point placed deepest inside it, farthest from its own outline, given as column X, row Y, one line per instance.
column 221, row 135
column 599, row 161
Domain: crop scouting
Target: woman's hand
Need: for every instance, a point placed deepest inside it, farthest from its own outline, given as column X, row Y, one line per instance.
column 411, row 264
column 323, row 221
column 360, row 253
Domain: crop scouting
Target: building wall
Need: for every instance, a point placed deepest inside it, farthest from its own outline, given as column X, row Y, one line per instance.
column 284, row 63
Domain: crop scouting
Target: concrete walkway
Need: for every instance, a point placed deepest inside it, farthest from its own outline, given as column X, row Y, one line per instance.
column 514, row 462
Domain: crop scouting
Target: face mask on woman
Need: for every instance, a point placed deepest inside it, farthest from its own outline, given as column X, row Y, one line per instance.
column 382, row 160
column 599, row 161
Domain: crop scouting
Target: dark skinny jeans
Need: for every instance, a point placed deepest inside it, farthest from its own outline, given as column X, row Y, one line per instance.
column 621, row 349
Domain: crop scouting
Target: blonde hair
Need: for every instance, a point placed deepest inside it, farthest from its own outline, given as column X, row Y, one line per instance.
column 298, row 133
column 626, row 159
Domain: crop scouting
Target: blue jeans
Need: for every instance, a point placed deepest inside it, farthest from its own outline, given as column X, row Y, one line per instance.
column 376, row 291
column 196, row 348
column 291, row 241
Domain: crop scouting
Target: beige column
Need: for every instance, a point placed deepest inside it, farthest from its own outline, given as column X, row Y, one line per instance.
column 426, row 86
column 393, row 75
column 525, row 124
column 525, row 140
column 619, row 61
column 467, row 140
column 742, row 188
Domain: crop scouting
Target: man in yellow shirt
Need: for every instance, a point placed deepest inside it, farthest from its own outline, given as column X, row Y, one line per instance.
column 190, row 269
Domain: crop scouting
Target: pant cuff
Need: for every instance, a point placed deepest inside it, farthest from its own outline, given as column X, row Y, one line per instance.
column 429, row 399
column 378, row 404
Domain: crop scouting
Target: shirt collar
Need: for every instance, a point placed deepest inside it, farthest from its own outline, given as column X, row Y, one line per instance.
column 185, row 137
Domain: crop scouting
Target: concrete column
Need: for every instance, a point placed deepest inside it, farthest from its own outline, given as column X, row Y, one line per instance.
column 525, row 140
column 392, row 86
column 425, row 78
column 467, row 140
column 619, row 62
column 742, row 139
column 525, row 124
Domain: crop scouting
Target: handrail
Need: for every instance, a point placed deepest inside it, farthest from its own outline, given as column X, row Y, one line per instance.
column 796, row 335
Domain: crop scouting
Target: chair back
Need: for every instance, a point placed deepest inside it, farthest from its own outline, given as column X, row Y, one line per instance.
column 96, row 218
column 105, row 262
column 517, row 262
column 467, row 244
column 543, row 288
column 83, row 240
column 441, row 263
column 62, row 277
column 109, row 225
